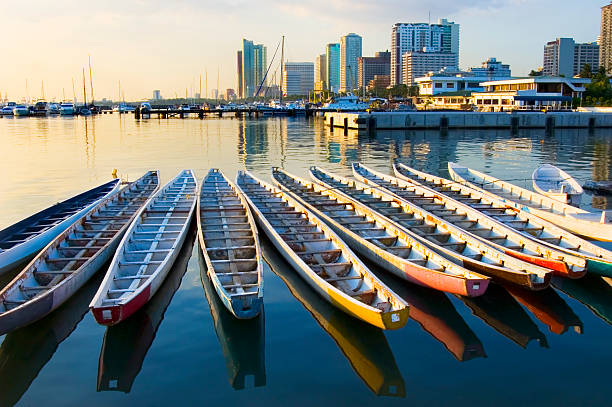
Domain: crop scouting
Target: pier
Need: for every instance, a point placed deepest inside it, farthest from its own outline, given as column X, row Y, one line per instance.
column 467, row 120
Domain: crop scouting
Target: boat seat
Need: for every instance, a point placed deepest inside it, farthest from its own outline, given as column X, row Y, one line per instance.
column 343, row 278
column 139, row 263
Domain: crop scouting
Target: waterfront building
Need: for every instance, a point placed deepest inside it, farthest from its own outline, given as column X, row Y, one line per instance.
column 332, row 67
column 239, row 64
column 298, row 78
column 320, row 78
column 350, row 51
column 379, row 82
column 563, row 57
column 418, row 37
column 418, row 64
column 537, row 92
column 368, row 67
column 443, row 82
column 254, row 65
column 605, row 38
column 491, row 68
column 156, row 94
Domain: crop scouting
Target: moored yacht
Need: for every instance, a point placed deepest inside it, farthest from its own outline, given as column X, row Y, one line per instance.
column 53, row 108
column 349, row 102
column 67, row 109
column 21, row 110
column 8, row 109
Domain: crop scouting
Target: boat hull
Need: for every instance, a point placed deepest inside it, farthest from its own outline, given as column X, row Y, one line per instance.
column 24, row 251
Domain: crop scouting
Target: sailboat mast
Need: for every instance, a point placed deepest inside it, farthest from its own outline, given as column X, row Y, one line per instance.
column 217, row 85
column 91, row 81
column 281, row 74
column 84, row 89
column 200, row 86
column 73, row 91
column 42, row 89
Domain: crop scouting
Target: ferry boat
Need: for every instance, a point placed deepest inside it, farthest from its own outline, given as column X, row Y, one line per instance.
column 349, row 102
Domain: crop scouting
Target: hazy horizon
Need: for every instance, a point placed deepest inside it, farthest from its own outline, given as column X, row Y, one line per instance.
column 168, row 45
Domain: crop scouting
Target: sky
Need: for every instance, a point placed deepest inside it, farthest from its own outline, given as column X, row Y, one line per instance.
column 169, row 44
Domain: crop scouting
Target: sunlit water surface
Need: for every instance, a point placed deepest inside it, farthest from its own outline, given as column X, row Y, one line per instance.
column 507, row 348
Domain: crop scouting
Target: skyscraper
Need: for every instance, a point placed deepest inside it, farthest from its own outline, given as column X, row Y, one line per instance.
column 239, row 63
column 298, row 78
column 563, row 57
column 369, row 67
column 332, row 52
column 320, row 75
column 254, row 64
column 421, row 37
column 605, row 38
column 350, row 51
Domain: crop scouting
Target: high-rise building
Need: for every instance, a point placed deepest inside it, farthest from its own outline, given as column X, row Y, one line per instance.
column 230, row 94
column 332, row 52
column 156, row 94
column 350, row 51
column 563, row 57
column 418, row 64
column 421, row 37
column 491, row 68
column 239, row 64
column 320, row 75
column 605, row 38
column 254, row 65
column 587, row 53
column 298, row 78
column 369, row 67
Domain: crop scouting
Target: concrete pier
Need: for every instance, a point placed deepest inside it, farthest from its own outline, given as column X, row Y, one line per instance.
column 467, row 120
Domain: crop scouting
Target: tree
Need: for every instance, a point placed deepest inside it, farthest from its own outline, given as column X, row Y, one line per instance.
column 586, row 71
column 400, row 90
column 535, row 73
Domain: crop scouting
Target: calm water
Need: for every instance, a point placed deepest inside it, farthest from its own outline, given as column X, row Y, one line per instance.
column 505, row 348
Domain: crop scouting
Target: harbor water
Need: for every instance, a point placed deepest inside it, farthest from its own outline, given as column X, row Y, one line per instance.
column 507, row 348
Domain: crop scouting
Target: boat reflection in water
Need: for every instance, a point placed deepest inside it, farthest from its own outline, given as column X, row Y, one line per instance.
column 595, row 292
column 549, row 308
column 242, row 340
column 437, row 316
column 126, row 344
column 364, row 345
column 25, row 351
column 501, row 312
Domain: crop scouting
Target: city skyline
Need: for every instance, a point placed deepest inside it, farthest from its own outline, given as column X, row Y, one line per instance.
column 164, row 46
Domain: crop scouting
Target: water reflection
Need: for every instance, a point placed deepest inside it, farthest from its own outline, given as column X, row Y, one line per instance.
column 501, row 312
column 26, row 351
column 549, row 308
column 365, row 346
column 593, row 291
column 437, row 316
column 125, row 345
column 242, row 341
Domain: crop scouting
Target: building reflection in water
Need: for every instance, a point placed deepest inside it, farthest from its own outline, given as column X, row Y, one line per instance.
column 549, row 308
column 595, row 292
column 437, row 316
column 261, row 141
column 498, row 309
column 341, row 147
column 365, row 346
column 26, row 351
column 125, row 345
column 242, row 340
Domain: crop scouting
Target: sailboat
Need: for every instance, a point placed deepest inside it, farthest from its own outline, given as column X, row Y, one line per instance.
column 84, row 111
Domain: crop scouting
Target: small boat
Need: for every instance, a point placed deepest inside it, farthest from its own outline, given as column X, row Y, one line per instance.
column 8, row 109
column 321, row 257
column 21, row 110
column 557, row 184
column 67, row 109
column 441, row 236
column 481, row 226
column 230, row 245
column 72, row 258
column 147, row 251
column 380, row 240
column 593, row 225
column 27, row 237
column 53, row 109
column 555, row 243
